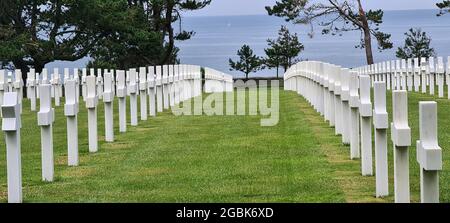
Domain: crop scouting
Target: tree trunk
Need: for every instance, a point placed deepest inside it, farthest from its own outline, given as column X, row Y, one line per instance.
column 368, row 46
column 168, row 27
column 39, row 67
column 277, row 72
column 367, row 36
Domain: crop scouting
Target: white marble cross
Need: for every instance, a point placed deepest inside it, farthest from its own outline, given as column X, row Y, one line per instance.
column 440, row 76
column 46, row 118
column 55, row 86
column 403, row 74
column 176, row 84
column 401, row 139
column 38, row 82
column 354, row 119
column 388, row 75
column 159, row 89
column 122, row 95
column 169, row 84
column 380, row 123
column 132, row 88
column 71, row 111
column 151, row 90
column 429, row 153
column 31, row 85
column 365, row 111
column 11, row 125
column 165, row 81
column 410, row 74
column 331, row 102
column 345, row 97
column 423, row 74
column 337, row 100
column 431, row 74
column 143, row 92
column 76, row 77
column 108, row 99
column 91, row 100
column 99, row 84
column 83, row 83
column 417, row 72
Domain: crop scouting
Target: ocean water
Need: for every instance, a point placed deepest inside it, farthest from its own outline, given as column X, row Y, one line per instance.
column 218, row 38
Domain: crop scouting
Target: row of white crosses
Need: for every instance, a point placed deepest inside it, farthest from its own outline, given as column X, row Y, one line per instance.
column 11, row 83
column 216, row 81
column 413, row 74
column 160, row 86
column 342, row 97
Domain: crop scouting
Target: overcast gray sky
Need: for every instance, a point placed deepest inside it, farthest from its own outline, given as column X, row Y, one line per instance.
column 254, row 7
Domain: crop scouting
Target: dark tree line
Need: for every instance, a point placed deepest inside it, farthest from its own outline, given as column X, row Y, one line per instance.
column 113, row 33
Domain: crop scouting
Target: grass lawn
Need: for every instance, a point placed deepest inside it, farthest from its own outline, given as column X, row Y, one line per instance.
column 211, row 159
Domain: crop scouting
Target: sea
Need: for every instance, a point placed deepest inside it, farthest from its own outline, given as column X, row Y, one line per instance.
column 217, row 39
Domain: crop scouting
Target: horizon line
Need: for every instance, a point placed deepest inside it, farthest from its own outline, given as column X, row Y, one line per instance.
column 225, row 15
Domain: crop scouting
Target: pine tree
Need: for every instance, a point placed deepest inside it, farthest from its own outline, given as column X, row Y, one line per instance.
column 283, row 50
column 248, row 61
column 273, row 59
column 417, row 45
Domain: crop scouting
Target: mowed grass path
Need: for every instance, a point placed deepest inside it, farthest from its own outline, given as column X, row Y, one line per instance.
column 208, row 159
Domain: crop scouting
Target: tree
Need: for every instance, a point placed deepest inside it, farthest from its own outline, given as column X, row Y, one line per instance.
column 34, row 33
column 444, row 6
column 131, row 42
column 336, row 17
column 114, row 33
column 162, row 14
column 417, row 45
column 151, row 40
column 273, row 59
column 284, row 50
column 248, row 62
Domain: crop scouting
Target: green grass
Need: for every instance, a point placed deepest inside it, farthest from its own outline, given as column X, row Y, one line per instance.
column 210, row 159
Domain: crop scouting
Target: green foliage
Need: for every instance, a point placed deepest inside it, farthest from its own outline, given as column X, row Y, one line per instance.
column 283, row 50
column 113, row 33
column 336, row 17
column 273, row 59
column 132, row 43
column 34, row 33
column 417, row 45
column 151, row 38
column 444, row 6
column 161, row 15
column 248, row 61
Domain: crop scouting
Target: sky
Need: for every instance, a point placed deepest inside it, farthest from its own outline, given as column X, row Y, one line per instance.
column 256, row 7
